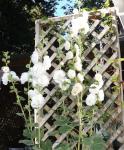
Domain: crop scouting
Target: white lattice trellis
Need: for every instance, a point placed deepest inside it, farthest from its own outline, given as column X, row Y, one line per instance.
column 99, row 34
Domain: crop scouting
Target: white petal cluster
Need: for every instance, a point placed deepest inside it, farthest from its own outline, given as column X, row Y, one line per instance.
column 65, row 85
column 34, row 57
column 24, row 77
column 91, row 99
column 67, row 45
column 37, row 100
column 80, row 23
column 61, row 79
column 5, row 69
column 37, row 73
column 5, row 78
column 59, row 76
column 71, row 74
column 77, row 88
column 96, row 91
column 8, row 75
column 80, row 77
column 47, row 62
column 78, row 66
column 69, row 55
column 14, row 76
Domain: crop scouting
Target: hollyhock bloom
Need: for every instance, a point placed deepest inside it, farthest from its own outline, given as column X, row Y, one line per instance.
column 37, row 70
column 14, row 76
column 71, row 73
column 43, row 81
column 94, row 88
column 78, row 66
column 101, row 95
column 24, row 77
column 65, row 85
column 98, row 77
column 37, row 102
column 59, row 76
column 77, row 88
column 5, row 69
column 80, row 23
column 91, row 99
column 34, row 57
column 69, row 55
column 47, row 62
column 80, row 77
column 5, row 78
column 37, row 99
column 67, row 45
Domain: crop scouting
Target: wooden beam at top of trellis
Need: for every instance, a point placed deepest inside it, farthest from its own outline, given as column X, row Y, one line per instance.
column 110, row 51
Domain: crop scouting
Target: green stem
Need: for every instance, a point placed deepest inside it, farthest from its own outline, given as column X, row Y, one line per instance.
column 29, row 111
column 20, row 105
column 80, row 121
column 39, row 136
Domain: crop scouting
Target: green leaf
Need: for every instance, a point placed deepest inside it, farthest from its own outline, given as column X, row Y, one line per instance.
column 95, row 142
column 26, row 142
column 64, row 129
column 19, row 114
column 46, row 145
column 63, row 147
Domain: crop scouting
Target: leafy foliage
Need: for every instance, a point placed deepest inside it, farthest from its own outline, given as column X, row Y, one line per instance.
column 95, row 142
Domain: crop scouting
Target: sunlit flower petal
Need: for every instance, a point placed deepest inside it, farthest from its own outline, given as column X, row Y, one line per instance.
column 91, row 99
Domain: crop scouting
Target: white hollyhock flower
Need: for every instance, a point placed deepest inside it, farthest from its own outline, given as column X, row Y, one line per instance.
column 32, row 93
column 78, row 66
column 43, row 80
column 101, row 95
column 75, row 27
column 77, row 88
column 100, row 84
column 94, row 88
column 80, row 77
column 5, row 69
column 47, row 62
column 34, row 57
column 59, row 76
column 24, row 77
column 65, row 85
column 85, row 24
column 91, row 99
column 69, row 55
column 14, row 76
column 80, row 23
column 37, row 102
column 5, row 78
column 98, row 77
column 67, row 45
column 38, row 75
column 37, row 99
column 61, row 63
column 37, row 70
column 71, row 73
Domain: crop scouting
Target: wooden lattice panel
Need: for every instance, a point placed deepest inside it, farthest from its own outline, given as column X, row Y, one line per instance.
column 54, row 29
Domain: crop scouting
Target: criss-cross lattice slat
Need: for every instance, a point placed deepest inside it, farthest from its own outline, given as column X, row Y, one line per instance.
column 92, row 56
